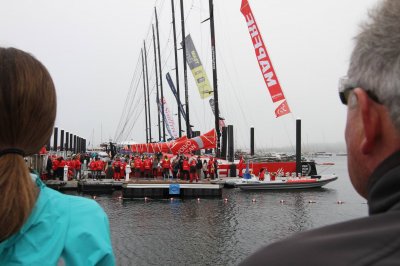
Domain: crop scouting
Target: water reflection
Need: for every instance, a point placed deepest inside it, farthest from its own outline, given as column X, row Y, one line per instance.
column 218, row 232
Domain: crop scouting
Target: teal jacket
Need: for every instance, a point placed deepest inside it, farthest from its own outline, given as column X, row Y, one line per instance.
column 61, row 227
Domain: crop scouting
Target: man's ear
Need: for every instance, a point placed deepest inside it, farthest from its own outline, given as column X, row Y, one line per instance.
column 371, row 122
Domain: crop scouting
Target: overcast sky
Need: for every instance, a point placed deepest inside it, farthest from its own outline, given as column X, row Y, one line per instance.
column 92, row 48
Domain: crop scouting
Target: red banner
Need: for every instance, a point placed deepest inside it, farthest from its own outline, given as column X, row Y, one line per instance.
column 282, row 109
column 267, row 70
column 182, row 145
column 205, row 141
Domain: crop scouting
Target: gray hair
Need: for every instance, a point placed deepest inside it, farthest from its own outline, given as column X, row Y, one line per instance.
column 375, row 61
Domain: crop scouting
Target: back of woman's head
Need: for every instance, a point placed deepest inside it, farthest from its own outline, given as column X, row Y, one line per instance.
column 27, row 114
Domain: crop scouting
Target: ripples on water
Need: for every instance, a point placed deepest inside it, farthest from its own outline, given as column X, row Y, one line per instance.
column 218, row 232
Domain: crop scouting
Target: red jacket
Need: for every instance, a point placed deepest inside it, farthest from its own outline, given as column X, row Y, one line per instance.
column 117, row 166
column 166, row 164
column 55, row 164
column 77, row 164
column 138, row 163
column 147, row 164
column 211, row 168
column 185, row 165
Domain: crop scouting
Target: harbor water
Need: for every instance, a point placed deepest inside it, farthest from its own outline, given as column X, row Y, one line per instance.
column 226, row 230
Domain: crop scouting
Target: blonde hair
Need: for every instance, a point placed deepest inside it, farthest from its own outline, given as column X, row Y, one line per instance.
column 27, row 114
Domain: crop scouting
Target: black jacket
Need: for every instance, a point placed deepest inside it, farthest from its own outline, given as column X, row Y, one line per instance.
column 373, row 240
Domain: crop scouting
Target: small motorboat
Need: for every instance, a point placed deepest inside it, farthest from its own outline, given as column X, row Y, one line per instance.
column 290, row 182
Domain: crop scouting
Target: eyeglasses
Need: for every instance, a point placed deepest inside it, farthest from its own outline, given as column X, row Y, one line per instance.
column 345, row 87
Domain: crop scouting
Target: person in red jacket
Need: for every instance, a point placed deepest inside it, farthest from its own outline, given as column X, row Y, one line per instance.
column 70, row 163
column 60, row 167
column 117, row 169
column 54, row 166
column 241, row 166
column 185, row 169
column 211, row 168
column 78, row 166
column 193, row 173
column 166, row 165
column 138, row 165
column 99, row 167
column 92, row 168
column 147, row 167
column 123, row 167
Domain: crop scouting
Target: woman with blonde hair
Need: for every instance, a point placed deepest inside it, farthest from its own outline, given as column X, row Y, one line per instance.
column 38, row 225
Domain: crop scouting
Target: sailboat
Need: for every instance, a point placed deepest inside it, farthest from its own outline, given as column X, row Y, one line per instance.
column 284, row 170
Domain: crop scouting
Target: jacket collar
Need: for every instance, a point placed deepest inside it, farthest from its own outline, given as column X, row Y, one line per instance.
column 384, row 186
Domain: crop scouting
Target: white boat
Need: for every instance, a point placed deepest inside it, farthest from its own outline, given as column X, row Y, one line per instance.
column 302, row 182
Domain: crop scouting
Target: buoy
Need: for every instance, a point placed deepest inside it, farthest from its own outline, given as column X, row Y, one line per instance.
column 225, row 199
column 198, row 199
column 312, row 201
column 281, row 201
column 119, row 197
column 94, row 196
column 253, row 200
column 172, row 199
column 340, row 202
column 146, row 198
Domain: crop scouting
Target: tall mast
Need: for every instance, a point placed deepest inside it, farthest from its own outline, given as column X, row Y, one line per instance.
column 158, row 98
column 148, row 89
column 188, row 129
column 215, row 85
column 145, row 101
column 176, row 69
column 159, row 66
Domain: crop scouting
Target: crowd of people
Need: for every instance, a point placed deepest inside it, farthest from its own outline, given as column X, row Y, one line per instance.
column 182, row 167
column 190, row 168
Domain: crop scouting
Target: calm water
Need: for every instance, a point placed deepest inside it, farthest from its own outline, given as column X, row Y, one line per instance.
column 215, row 232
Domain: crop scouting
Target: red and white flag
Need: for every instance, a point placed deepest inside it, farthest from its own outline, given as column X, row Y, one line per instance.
column 282, row 109
column 264, row 61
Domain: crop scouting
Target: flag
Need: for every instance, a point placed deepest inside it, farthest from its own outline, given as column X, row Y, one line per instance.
column 282, row 109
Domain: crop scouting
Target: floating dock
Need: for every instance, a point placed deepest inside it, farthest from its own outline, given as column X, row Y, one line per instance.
column 141, row 188
column 86, row 186
column 161, row 189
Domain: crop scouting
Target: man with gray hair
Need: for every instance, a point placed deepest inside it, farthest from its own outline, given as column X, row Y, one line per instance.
column 371, row 92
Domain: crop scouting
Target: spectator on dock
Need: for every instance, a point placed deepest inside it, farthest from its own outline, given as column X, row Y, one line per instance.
column 147, row 166
column 78, row 166
column 241, row 166
column 211, row 167
column 60, row 167
column 205, row 168
column 185, row 169
column 193, row 171
column 175, row 168
column 138, row 166
column 154, row 166
column 39, row 225
column 93, row 168
column 371, row 92
column 166, row 165
column 123, row 167
column 199, row 166
column 117, row 169
column 49, row 168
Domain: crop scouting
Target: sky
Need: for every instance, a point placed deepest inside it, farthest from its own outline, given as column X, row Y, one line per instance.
column 92, row 50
